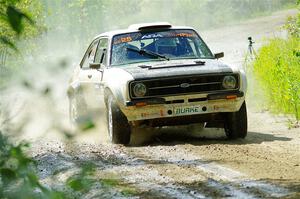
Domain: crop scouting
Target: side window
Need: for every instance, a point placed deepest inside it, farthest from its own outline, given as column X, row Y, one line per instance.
column 101, row 52
column 90, row 55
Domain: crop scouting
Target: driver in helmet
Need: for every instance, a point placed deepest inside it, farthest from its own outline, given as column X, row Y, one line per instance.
column 166, row 46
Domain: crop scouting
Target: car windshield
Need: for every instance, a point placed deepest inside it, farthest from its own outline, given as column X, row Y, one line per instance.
column 161, row 45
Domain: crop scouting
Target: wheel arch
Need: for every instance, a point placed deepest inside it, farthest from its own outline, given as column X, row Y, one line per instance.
column 117, row 94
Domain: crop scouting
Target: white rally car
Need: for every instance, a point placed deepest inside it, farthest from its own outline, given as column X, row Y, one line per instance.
column 157, row 75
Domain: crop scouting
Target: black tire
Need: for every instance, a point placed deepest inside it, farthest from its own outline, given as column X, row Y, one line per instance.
column 77, row 110
column 117, row 124
column 236, row 123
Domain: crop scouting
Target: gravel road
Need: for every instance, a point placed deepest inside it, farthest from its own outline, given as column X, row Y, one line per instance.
column 168, row 162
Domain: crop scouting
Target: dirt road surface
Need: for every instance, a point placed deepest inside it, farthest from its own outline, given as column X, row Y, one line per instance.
column 170, row 162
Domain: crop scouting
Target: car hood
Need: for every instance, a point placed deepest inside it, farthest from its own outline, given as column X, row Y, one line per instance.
column 175, row 68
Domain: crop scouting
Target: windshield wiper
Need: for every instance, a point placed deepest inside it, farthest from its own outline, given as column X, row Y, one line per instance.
column 149, row 53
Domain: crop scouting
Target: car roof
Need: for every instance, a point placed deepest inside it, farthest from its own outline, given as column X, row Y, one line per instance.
column 142, row 27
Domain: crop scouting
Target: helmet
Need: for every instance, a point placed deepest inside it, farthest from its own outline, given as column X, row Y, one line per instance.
column 166, row 46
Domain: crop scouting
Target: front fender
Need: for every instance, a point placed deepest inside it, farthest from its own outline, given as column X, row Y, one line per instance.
column 116, row 81
column 243, row 79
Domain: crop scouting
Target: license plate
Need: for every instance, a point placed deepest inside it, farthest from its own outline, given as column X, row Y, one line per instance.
column 188, row 110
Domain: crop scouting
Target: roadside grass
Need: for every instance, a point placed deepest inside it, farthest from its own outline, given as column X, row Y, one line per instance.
column 277, row 70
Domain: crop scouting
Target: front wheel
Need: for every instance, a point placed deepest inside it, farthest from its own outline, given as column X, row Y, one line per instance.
column 117, row 124
column 236, row 123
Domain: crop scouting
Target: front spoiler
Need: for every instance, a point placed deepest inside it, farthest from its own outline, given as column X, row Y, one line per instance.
column 153, row 111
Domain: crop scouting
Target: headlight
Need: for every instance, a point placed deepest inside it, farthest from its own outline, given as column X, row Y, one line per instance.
column 139, row 90
column 229, row 82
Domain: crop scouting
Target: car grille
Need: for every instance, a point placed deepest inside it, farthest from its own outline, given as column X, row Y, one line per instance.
column 183, row 85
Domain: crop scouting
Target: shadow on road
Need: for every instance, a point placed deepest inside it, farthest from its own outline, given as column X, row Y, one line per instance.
column 174, row 136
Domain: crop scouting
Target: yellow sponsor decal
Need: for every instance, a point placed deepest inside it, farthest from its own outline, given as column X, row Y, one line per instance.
column 123, row 40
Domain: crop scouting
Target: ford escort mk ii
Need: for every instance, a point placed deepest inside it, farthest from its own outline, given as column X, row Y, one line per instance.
column 157, row 75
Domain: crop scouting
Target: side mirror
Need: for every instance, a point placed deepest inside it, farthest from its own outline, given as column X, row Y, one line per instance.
column 219, row 55
column 95, row 65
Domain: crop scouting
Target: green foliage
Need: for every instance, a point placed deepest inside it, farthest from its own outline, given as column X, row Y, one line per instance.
column 278, row 70
column 6, row 42
column 87, row 125
column 293, row 24
column 17, row 18
column 82, row 182
column 124, row 189
column 17, row 23
column 18, row 175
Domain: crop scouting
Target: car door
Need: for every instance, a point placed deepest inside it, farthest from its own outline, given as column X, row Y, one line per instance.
column 86, row 75
column 97, row 73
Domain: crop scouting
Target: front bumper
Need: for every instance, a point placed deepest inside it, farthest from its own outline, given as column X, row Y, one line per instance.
column 183, row 106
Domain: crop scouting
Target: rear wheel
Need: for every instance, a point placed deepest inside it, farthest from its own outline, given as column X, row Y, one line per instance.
column 117, row 124
column 77, row 111
column 236, row 123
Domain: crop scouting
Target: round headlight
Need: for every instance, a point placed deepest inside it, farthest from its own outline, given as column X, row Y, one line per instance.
column 229, row 82
column 139, row 90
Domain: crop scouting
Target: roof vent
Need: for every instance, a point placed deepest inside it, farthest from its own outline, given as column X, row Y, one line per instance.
column 147, row 26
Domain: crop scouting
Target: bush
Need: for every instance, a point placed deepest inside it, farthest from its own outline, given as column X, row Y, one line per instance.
column 277, row 69
column 18, row 178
